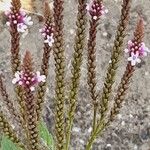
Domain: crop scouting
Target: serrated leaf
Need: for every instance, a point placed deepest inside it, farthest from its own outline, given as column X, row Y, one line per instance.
column 46, row 136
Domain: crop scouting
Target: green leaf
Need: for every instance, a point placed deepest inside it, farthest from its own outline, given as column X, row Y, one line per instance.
column 46, row 136
column 6, row 144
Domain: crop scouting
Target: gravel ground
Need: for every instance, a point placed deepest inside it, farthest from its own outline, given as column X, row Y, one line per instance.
column 131, row 129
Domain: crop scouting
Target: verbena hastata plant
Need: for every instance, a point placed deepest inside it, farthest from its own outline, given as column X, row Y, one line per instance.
column 30, row 85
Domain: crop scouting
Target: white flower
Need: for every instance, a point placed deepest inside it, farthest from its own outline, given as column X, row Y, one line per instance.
column 126, row 50
column 32, row 88
column 134, row 58
column 21, row 27
column 95, row 17
column 49, row 40
column 27, row 20
column 17, row 77
column 40, row 78
column 143, row 49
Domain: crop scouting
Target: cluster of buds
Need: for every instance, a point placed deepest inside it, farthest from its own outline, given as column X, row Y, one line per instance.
column 28, row 80
column 47, row 32
column 18, row 19
column 136, row 51
column 96, row 9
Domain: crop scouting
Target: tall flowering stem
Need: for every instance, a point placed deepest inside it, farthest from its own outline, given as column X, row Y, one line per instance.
column 15, row 36
column 76, row 64
column 136, row 51
column 59, row 70
column 115, row 57
column 95, row 9
column 17, row 22
column 9, row 103
column 26, row 81
column 135, row 46
column 47, row 32
column 8, row 131
column 111, row 72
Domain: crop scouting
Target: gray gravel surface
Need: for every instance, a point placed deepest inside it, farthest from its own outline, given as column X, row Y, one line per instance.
column 131, row 129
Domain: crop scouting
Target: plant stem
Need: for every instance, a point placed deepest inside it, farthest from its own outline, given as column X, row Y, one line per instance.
column 94, row 118
column 98, row 129
column 76, row 64
column 45, row 63
column 60, row 74
column 115, row 57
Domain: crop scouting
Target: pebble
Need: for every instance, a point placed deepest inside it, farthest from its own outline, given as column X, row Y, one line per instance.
column 146, row 73
column 105, row 34
column 89, row 130
column 71, row 31
column 108, row 145
column 76, row 129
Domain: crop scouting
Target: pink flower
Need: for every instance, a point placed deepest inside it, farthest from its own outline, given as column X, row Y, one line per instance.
column 28, row 80
column 134, row 46
column 20, row 19
column 49, row 40
column 96, row 9
column 136, row 51
column 134, row 58
column 47, row 30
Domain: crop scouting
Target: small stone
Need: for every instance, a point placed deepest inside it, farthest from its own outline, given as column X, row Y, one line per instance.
column 123, row 123
column 110, row 61
column 71, row 31
column 108, row 145
column 76, row 129
column 146, row 73
column 131, row 116
column 135, row 147
column 89, row 130
column 81, row 141
column 105, row 34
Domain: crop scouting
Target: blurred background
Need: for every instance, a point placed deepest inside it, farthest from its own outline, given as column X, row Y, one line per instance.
column 131, row 129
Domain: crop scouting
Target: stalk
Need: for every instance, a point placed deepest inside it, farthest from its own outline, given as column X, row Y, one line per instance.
column 76, row 64
column 60, row 73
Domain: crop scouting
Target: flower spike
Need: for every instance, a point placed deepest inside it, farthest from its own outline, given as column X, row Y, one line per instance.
column 96, row 9
column 27, row 78
column 47, row 32
column 18, row 19
column 48, row 29
column 136, row 47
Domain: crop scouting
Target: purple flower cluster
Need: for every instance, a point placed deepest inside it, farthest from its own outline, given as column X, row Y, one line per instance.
column 47, row 32
column 28, row 80
column 96, row 9
column 136, row 51
column 20, row 19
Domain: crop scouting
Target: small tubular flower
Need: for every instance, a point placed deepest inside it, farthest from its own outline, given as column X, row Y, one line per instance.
column 49, row 40
column 20, row 19
column 96, row 9
column 28, row 80
column 134, row 58
column 136, row 47
column 47, row 32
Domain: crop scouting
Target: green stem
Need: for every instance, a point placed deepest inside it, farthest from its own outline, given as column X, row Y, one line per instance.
column 68, row 134
column 94, row 118
column 98, row 130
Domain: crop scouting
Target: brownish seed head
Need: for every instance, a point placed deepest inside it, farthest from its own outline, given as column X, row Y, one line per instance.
column 27, row 62
column 47, row 10
column 16, row 5
column 139, row 32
